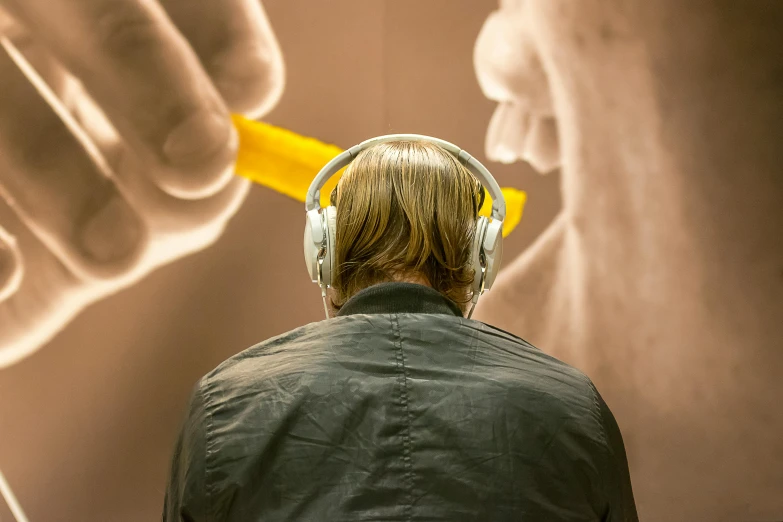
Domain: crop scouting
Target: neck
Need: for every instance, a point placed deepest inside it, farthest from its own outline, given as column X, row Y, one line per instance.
column 418, row 279
column 676, row 175
column 673, row 198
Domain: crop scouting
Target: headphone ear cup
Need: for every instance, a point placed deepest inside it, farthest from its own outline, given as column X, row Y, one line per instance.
column 331, row 243
column 313, row 238
column 475, row 252
column 493, row 251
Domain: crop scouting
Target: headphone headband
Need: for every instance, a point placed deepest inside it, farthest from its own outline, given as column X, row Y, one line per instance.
column 313, row 199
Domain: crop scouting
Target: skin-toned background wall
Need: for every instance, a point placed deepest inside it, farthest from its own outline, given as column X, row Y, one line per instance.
column 659, row 273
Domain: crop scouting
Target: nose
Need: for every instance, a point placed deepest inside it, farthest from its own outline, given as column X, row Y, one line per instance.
column 509, row 71
column 507, row 63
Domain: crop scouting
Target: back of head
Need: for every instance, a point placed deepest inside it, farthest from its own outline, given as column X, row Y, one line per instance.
column 406, row 211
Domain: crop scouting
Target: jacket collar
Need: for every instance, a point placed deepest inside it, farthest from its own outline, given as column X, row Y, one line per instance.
column 399, row 298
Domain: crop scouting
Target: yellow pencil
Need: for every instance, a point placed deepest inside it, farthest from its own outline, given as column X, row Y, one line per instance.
column 287, row 162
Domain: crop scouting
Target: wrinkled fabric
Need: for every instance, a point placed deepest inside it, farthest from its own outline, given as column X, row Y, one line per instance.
column 391, row 413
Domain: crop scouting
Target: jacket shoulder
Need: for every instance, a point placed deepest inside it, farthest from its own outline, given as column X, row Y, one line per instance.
column 265, row 349
column 294, row 350
column 564, row 387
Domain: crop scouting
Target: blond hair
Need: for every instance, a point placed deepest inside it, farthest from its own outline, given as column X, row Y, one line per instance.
column 406, row 210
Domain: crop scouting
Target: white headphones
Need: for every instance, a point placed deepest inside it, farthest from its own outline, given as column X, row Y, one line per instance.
column 320, row 226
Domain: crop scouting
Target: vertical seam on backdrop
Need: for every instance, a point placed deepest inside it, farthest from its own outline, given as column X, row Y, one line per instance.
column 384, row 68
column 404, row 400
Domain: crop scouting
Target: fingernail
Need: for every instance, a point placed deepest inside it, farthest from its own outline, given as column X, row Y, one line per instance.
column 112, row 233
column 198, row 137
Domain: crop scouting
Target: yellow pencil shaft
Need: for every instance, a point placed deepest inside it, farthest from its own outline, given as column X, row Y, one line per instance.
column 287, row 162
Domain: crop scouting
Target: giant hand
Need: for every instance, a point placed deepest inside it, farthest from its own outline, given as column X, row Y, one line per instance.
column 662, row 278
column 116, row 146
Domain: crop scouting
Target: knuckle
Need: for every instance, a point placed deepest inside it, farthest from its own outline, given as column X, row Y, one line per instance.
column 249, row 76
column 124, row 28
column 188, row 220
column 110, row 234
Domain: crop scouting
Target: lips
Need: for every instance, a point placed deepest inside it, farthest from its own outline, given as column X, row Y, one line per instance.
column 542, row 145
column 507, row 133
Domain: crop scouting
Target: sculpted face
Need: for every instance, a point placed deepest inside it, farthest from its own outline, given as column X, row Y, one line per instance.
column 661, row 277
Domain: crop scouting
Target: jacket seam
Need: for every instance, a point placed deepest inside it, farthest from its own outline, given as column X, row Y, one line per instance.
column 209, row 443
column 404, row 400
column 597, row 414
column 603, row 434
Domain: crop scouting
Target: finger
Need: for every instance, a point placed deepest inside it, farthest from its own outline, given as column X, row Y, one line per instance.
column 46, row 297
column 164, row 215
column 201, row 220
column 41, row 60
column 147, row 79
column 11, row 265
column 237, row 47
column 56, row 185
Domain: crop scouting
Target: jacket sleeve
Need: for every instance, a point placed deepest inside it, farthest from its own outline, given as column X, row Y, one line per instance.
column 614, row 469
column 186, row 495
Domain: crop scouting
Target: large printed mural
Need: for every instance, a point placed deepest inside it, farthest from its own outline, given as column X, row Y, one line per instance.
column 133, row 258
